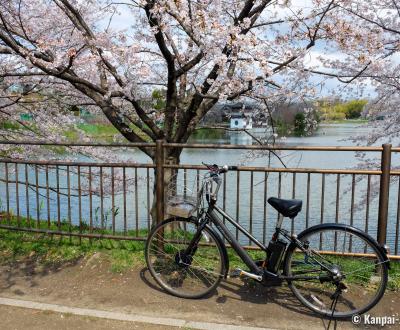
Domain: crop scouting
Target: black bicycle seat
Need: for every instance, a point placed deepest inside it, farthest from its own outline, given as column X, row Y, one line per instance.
column 287, row 207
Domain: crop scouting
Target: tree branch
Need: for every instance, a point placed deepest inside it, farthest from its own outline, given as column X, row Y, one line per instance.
column 171, row 98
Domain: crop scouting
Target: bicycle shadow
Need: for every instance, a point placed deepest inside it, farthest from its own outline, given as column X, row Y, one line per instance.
column 249, row 291
column 143, row 277
column 255, row 293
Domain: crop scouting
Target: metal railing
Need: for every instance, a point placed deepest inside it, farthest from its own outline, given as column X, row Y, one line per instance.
column 114, row 200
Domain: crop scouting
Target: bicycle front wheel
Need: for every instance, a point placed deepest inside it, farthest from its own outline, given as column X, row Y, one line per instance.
column 354, row 254
column 184, row 274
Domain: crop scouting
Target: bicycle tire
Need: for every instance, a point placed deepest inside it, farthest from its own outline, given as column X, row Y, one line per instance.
column 184, row 279
column 364, row 266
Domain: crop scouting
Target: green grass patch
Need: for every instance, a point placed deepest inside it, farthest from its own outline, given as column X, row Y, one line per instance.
column 346, row 121
column 57, row 250
column 124, row 259
column 105, row 130
column 101, row 132
column 10, row 125
column 53, row 249
column 236, row 262
column 98, row 129
column 394, row 276
column 71, row 135
column 66, row 227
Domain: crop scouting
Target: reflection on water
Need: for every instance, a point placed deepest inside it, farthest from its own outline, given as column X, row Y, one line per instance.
column 326, row 135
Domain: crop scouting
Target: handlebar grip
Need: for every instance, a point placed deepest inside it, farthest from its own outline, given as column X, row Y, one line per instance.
column 226, row 168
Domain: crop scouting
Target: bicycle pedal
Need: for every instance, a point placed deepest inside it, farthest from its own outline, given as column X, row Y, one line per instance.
column 235, row 273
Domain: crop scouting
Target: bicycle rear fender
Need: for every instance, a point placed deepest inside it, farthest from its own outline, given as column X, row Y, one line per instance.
column 348, row 228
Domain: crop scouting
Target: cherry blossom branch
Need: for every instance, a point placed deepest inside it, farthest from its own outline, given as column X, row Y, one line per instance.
column 228, row 129
column 379, row 24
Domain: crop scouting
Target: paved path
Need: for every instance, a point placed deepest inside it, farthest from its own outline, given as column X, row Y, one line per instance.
column 15, row 318
column 86, row 315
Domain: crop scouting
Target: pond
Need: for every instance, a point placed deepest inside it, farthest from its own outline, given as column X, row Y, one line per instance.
column 327, row 198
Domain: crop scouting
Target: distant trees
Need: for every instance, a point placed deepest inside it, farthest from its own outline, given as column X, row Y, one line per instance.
column 353, row 109
column 342, row 110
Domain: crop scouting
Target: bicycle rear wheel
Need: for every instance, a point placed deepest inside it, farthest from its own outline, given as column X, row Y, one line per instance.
column 338, row 247
column 186, row 275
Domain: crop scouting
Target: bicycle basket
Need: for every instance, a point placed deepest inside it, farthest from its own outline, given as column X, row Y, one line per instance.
column 181, row 197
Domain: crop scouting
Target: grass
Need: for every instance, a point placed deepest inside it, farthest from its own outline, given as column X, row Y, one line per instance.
column 394, row 276
column 64, row 225
column 346, row 121
column 359, row 270
column 10, row 125
column 98, row 132
column 53, row 250
column 48, row 249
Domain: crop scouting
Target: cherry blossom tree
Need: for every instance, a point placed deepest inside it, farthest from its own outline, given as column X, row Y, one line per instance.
column 71, row 52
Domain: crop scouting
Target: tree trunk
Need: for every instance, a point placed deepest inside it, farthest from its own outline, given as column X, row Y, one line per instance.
column 171, row 157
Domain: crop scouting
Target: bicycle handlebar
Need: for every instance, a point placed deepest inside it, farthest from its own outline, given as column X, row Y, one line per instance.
column 219, row 170
column 215, row 171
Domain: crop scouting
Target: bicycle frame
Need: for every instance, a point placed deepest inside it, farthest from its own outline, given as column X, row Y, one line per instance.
column 212, row 214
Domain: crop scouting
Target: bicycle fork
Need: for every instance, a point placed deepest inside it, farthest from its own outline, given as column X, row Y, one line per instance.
column 192, row 247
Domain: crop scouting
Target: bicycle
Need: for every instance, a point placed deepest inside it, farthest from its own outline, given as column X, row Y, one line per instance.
column 335, row 270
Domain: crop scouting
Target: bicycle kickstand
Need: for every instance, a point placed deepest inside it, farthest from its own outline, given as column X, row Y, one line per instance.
column 335, row 296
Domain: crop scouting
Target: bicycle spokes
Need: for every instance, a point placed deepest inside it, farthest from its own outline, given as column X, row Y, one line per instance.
column 182, row 262
column 339, row 274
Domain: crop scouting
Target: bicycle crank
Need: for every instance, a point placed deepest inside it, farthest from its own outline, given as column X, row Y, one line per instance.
column 240, row 273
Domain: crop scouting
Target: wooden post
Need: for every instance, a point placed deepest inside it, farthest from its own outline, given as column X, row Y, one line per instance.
column 384, row 193
column 160, row 180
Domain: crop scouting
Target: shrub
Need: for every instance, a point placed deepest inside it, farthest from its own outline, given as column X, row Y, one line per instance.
column 300, row 124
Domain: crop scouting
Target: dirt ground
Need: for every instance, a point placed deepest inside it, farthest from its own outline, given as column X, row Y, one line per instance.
column 89, row 283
